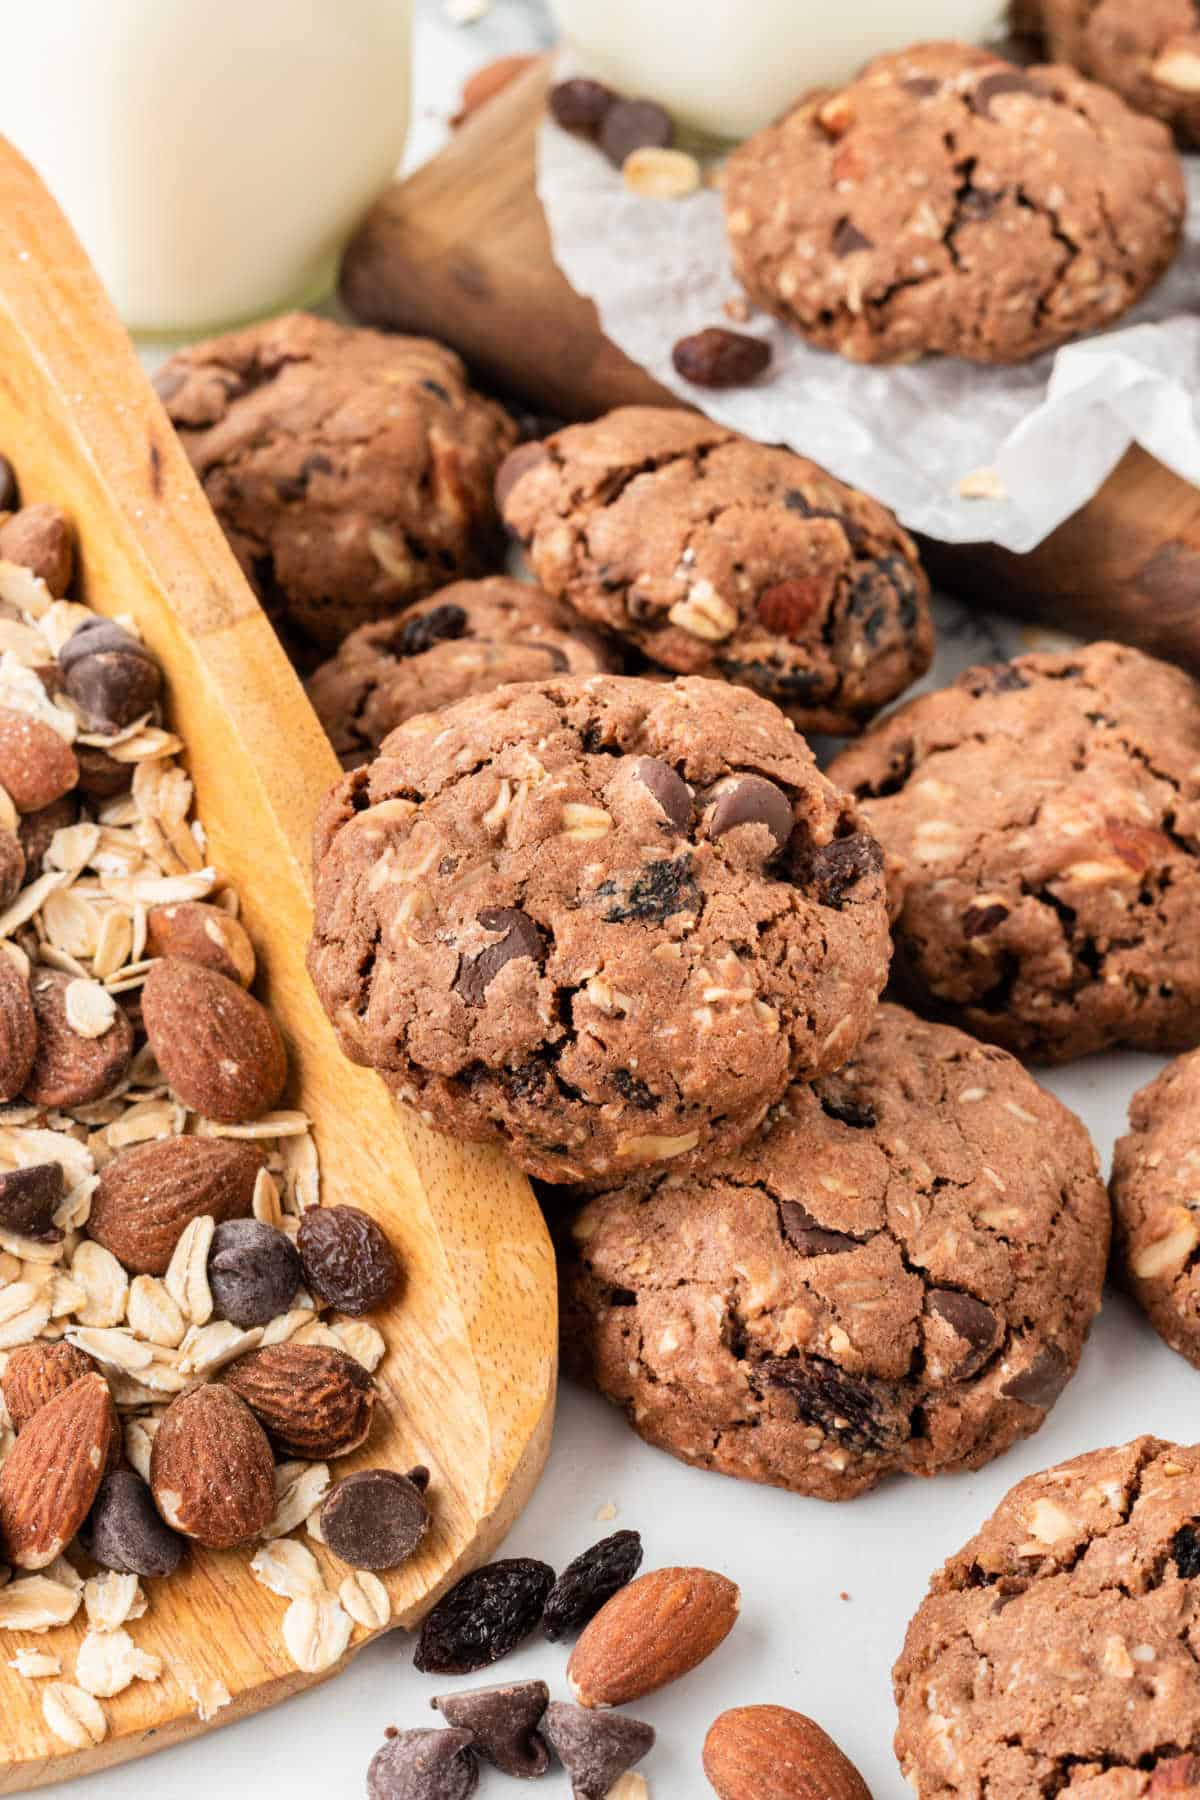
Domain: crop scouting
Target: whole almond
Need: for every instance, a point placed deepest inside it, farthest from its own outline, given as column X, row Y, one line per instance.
column 199, row 933
column 148, row 1195
column 313, row 1401
column 36, row 765
column 18, row 1028
column 37, row 1373
column 39, row 538
column 653, row 1631
column 68, row 1068
column 211, row 1469
column 771, row 1753
column 50, row 1478
column 218, row 1048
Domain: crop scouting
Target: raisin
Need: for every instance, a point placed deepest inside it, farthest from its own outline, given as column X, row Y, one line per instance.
column 630, row 125
column 347, row 1260
column 430, row 628
column 657, row 892
column 803, row 686
column 992, row 678
column 719, row 358
column 846, row 1108
column 885, row 590
column 484, row 1616
column 1185, row 1548
column 978, row 921
column 586, row 1584
column 837, row 867
column 636, row 1092
column 850, row 1408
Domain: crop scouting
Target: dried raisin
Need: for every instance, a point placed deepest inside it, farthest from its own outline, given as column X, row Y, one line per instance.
column 720, row 358
column 484, row 1616
column 347, row 1260
column 586, row 1584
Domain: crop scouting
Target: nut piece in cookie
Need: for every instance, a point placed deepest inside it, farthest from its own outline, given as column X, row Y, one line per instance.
column 1044, row 820
column 896, row 1275
column 1154, row 1186
column 946, row 201
column 1042, row 1658
column 466, row 639
column 1148, row 51
column 351, row 470
column 600, row 921
column 718, row 556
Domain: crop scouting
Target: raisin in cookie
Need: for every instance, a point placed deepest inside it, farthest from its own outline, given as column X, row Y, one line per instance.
column 351, row 470
column 896, row 1274
column 1148, row 51
column 948, row 201
column 601, row 921
column 1044, row 816
column 718, row 556
column 1156, row 1200
column 466, row 639
column 1056, row 1653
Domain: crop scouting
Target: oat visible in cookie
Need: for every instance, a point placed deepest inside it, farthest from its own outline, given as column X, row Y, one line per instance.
column 1155, row 1187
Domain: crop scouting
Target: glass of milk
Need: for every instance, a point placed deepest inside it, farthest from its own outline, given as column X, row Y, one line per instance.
column 214, row 158
column 729, row 66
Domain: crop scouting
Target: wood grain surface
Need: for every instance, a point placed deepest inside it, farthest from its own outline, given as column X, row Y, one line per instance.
column 468, row 1382
column 460, row 250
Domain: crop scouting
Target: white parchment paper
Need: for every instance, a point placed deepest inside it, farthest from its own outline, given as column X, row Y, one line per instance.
column 1051, row 429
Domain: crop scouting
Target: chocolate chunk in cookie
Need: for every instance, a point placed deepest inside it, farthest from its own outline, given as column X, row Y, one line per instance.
column 1155, row 1191
column 948, row 202
column 897, row 1274
column 565, row 916
column 715, row 555
column 1148, row 51
column 1044, row 828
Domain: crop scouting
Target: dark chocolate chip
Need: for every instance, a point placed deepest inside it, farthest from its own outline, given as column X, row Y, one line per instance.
column 922, row 86
column 978, row 921
column 419, row 1476
column 1042, row 1382
column 253, row 1272
column 1185, row 1549
column 28, row 1201
column 520, row 938
column 595, row 1748
column 668, row 788
column 638, row 1093
column 836, row 868
column 517, row 463
column 125, row 1531
column 589, row 1582
column 805, row 1235
column 980, row 203
column 374, row 1519
column 719, row 358
column 656, row 893
column 9, row 492
column 993, row 678
column 751, row 800
column 484, row 1616
column 580, row 105
column 847, row 238
column 855, row 1410
column 503, row 1723
column 99, row 634
column 972, row 1321
column 109, row 674
column 424, row 1765
column 630, row 125
column 441, row 622
column 1003, row 81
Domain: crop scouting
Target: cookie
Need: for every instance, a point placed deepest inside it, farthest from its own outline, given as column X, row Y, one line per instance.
column 600, row 921
column 896, row 1274
column 946, row 201
column 1155, row 1191
column 351, row 470
column 466, row 639
column 1056, row 1652
column 718, row 556
column 1044, row 820
column 1148, row 51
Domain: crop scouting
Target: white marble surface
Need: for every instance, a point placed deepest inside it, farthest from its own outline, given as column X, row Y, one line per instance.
column 799, row 1642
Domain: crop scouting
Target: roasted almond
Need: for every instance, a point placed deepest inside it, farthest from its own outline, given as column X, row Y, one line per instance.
column 218, row 1048
column 211, row 1469
column 36, row 765
column 39, row 538
column 148, row 1195
column 313, row 1401
column 37, row 1373
column 50, row 1478
column 68, row 1068
column 18, row 1028
column 771, row 1753
column 653, row 1631
column 204, row 934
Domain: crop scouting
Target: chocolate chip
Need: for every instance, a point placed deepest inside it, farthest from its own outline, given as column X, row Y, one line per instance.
column 520, row 938
column 347, row 1259
column 836, row 868
column 109, row 674
column 656, row 893
column 751, row 800
column 978, row 921
column 424, row 1765
column 1185, row 1548
column 503, row 1724
column 433, row 627
column 12, row 866
column 837, row 1102
column 517, row 463
column 253, row 1272
column 595, row 1748
column 980, row 203
column 374, row 1519
column 1004, row 81
column 669, row 789
column 630, row 125
column 805, row 1235
column 28, row 1201
column 992, row 678
column 580, row 105
column 635, row 1091
column 970, row 1320
column 884, row 594
column 1042, row 1382
column 9, row 492
column 847, row 238
column 419, row 1476
column 922, row 86
column 589, row 1582
column 125, row 1531
column 719, row 358
column 851, row 1408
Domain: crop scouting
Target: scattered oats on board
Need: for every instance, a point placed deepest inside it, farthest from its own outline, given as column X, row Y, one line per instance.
column 316, row 1632
column 73, row 1715
column 206, row 1692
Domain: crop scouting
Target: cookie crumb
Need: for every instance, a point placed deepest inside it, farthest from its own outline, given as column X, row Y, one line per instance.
column 607, row 1511
column 981, row 484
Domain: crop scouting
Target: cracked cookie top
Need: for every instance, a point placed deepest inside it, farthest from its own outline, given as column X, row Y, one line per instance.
column 948, row 201
column 351, row 470
column 716, row 555
column 1044, row 815
column 1148, row 51
column 599, row 921
column 896, row 1274
column 466, row 639
column 1156, row 1200
column 1057, row 1652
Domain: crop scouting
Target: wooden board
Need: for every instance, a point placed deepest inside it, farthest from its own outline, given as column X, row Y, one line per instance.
column 460, row 250
column 467, row 1386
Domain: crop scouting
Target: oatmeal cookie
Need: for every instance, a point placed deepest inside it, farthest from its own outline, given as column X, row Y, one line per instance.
column 946, row 201
column 600, row 921
column 896, row 1274
column 718, row 556
column 1148, row 51
column 1057, row 1652
column 1156, row 1200
column 351, row 470
column 466, row 639
column 1044, row 818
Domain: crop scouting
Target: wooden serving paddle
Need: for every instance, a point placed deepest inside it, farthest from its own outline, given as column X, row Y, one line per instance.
column 460, row 250
column 467, row 1384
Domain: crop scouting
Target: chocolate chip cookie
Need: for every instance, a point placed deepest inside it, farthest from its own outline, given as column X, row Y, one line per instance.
column 718, row 556
column 600, row 921
column 1148, row 51
column 466, row 639
column 351, row 470
column 1156, row 1200
column 1044, row 818
column 946, row 201
column 1056, row 1652
column 896, row 1274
